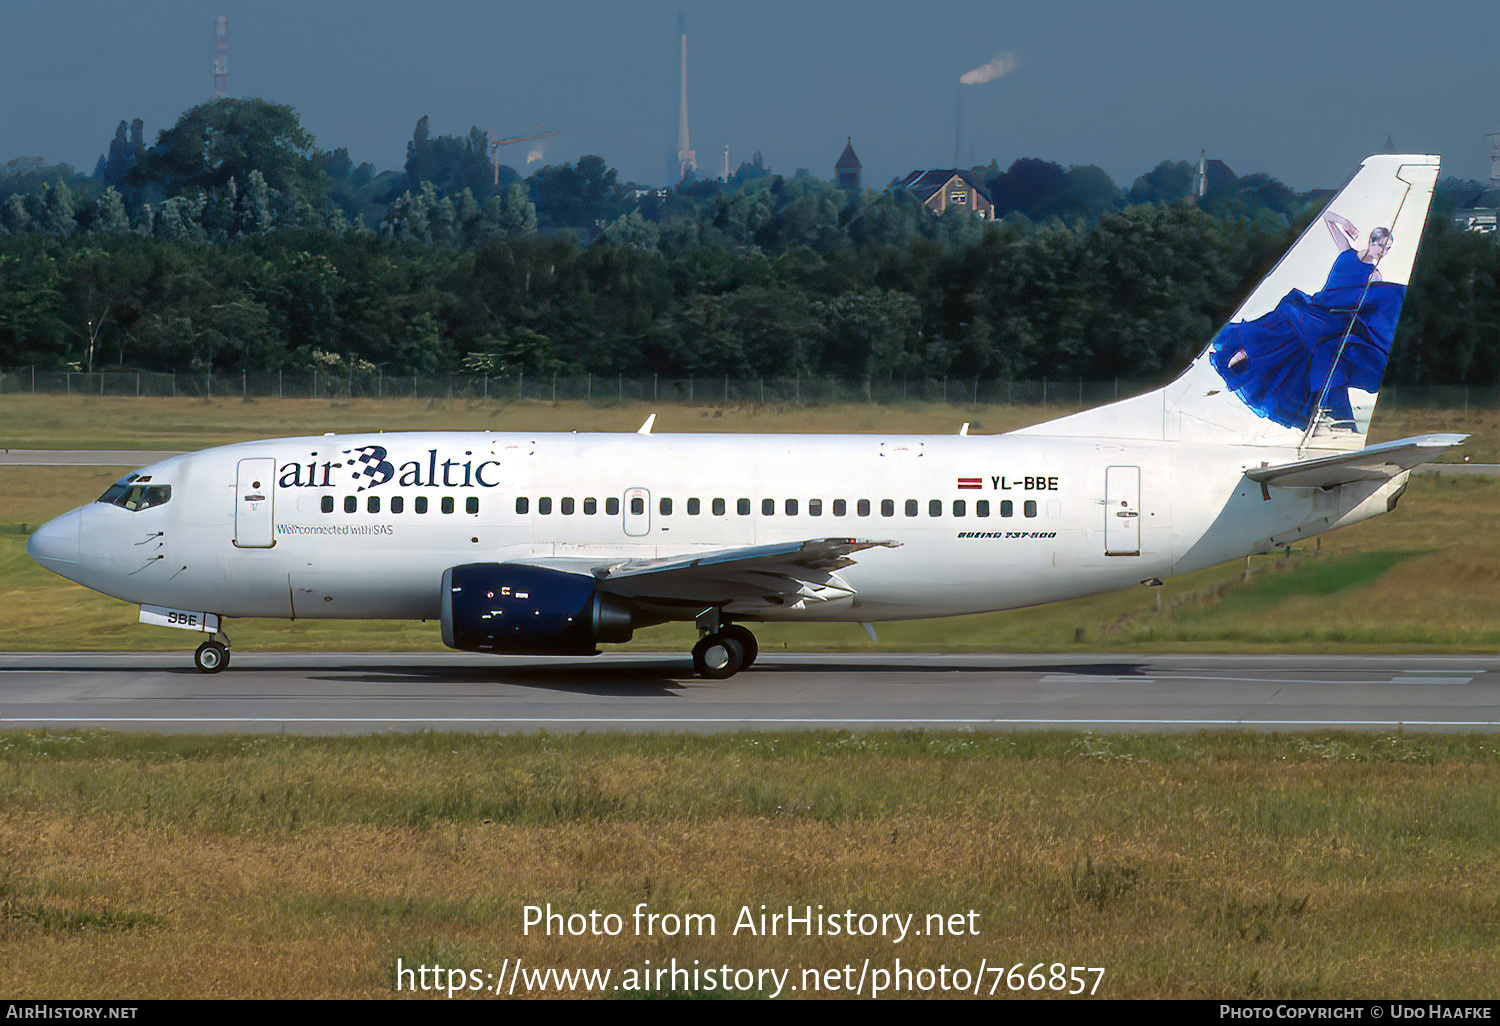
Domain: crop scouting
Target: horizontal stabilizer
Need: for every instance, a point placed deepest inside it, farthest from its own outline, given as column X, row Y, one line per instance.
column 1372, row 463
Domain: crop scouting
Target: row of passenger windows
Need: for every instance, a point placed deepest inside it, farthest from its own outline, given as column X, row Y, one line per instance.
column 719, row 507
column 790, row 507
column 398, row 504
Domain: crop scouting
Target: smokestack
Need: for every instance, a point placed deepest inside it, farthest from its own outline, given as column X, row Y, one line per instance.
column 221, row 57
column 687, row 161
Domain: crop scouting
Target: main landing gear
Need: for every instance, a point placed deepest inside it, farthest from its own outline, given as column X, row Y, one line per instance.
column 213, row 655
column 724, row 649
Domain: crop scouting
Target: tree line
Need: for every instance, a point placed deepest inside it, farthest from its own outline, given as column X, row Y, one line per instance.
column 234, row 243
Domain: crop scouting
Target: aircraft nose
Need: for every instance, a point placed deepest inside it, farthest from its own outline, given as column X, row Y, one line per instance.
column 55, row 544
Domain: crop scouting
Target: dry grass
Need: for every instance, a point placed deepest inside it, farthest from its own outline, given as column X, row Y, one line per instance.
column 1214, row 866
column 62, row 422
column 74, row 422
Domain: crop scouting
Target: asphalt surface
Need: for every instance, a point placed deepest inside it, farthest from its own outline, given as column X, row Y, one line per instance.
column 161, row 692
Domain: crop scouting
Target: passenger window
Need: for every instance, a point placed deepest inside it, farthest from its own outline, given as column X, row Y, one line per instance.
column 814, row 507
column 887, row 507
column 544, row 505
column 934, row 507
column 350, row 504
column 1007, row 508
column 743, row 507
column 693, row 507
column 523, row 505
column 567, row 507
column 372, row 504
column 791, row 507
column 447, row 504
column 471, row 504
column 637, row 506
column 612, row 506
column 397, row 504
column 1030, row 507
column 863, row 507
column 840, row 507
column 958, row 507
column 981, row 507
column 767, row 507
column 911, row 507
column 590, row 507
column 666, row 507
column 327, row 503
column 421, row 503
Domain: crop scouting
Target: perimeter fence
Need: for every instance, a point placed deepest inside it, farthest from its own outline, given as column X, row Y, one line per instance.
column 619, row 388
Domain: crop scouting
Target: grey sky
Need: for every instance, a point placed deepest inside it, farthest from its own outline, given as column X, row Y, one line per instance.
column 1300, row 90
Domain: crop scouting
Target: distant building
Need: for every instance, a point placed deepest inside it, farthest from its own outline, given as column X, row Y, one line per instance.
column 941, row 188
column 1479, row 212
column 1211, row 176
column 846, row 171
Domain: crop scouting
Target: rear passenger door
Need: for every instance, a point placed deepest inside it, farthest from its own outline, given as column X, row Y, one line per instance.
column 1122, row 511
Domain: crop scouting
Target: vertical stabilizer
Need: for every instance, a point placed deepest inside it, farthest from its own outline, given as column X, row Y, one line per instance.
column 1301, row 360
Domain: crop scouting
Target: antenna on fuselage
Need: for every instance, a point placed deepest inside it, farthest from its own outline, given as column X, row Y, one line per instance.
column 645, row 429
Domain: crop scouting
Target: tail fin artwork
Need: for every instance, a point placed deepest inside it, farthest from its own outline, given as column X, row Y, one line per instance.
column 1300, row 362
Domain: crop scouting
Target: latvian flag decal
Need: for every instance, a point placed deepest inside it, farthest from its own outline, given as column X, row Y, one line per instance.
column 969, row 482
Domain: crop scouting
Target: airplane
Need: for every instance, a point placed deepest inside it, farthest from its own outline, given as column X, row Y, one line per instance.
column 551, row 544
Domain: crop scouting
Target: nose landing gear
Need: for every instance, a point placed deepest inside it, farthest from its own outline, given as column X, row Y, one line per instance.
column 212, row 656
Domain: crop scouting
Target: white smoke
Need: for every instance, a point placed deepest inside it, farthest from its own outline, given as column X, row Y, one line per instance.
column 535, row 155
column 1003, row 64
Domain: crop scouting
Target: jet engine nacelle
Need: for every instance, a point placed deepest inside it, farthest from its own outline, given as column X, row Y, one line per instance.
column 529, row 610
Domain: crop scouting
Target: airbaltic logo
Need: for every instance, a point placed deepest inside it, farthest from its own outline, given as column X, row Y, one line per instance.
column 372, row 466
column 369, row 468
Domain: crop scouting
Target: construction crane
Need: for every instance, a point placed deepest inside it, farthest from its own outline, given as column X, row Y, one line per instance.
column 495, row 146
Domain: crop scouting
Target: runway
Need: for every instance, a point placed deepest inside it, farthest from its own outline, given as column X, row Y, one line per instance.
column 160, row 692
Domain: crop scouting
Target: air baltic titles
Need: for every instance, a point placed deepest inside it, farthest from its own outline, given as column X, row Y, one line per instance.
column 554, row 543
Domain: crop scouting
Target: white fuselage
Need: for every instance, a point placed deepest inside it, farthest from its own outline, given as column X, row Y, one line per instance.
column 311, row 527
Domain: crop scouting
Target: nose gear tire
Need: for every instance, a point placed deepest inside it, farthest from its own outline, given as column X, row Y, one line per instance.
column 211, row 657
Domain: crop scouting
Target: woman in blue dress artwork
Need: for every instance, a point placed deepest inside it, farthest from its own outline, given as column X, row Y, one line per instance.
column 1311, row 350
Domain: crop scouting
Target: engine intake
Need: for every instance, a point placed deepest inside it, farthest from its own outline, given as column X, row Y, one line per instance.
column 529, row 610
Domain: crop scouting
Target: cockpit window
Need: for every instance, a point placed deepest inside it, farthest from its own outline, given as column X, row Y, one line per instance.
column 135, row 494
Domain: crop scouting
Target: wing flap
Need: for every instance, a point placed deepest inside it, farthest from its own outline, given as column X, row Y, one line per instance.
column 1372, row 463
column 740, row 579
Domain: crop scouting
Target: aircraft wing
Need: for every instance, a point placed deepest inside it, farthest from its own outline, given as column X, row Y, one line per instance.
column 1372, row 463
column 793, row 574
